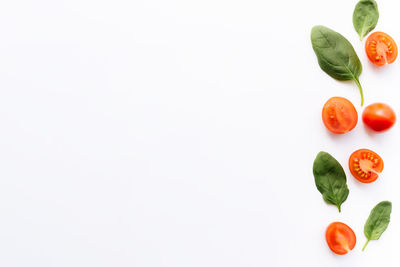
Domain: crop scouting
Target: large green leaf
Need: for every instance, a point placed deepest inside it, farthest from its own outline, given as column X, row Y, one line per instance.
column 336, row 56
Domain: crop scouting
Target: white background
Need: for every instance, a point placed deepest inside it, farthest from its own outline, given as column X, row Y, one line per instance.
column 154, row 133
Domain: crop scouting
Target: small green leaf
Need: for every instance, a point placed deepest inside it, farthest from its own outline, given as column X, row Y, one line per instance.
column 336, row 56
column 377, row 221
column 365, row 17
column 330, row 179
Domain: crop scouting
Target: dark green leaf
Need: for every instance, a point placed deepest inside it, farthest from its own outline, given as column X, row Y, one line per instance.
column 378, row 221
column 336, row 56
column 330, row 179
column 365, row 17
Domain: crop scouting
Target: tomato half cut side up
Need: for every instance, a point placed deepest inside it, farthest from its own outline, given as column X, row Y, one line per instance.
column 340, row 238
column 339, row 115
column 381, row 49
column 365, row 165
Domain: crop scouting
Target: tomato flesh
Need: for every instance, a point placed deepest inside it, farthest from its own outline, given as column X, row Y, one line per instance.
column 340, row 238
column 379, row 117
column 381, row 49
column 365, row 165
column 339, row 115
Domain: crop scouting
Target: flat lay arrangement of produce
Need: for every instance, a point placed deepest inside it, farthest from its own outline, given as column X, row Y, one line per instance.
column 337, row 57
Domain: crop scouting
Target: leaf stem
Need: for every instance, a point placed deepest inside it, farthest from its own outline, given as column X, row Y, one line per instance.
column 338, row 206
column 361, row 90
column 366, row 243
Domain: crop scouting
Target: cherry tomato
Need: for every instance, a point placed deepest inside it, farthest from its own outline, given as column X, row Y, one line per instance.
column 381, row 48
column 340, row 238
column 379, row 117
column 365, row 165
column 339, row 115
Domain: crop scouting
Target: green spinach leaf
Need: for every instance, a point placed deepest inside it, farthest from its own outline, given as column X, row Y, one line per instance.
column 330, row 179
column 377, row 221
column 336, row 56
column 365, row 17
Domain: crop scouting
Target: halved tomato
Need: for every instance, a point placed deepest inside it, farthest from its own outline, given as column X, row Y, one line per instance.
column 340, row 238
column 381, row 49
column 365, row 165
column 339, row 115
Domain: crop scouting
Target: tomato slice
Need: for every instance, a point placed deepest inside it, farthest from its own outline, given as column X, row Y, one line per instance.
column 381, row 49
column 339, row 115
column 340, row 238
column 379, row 117
column 365, row 165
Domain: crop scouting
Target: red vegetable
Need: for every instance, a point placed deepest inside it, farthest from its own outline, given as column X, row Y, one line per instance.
column 339, row 115
column 379, row 117
column 381, row 49
column 340, row 238
column 365, row 165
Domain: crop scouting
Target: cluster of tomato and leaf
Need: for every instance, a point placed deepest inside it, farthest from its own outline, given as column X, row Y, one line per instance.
column 337, row 57
column 341, row 238
column 330, row 179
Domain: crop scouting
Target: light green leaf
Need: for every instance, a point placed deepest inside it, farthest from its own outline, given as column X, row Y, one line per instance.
column 377, row 221
column 365, row 17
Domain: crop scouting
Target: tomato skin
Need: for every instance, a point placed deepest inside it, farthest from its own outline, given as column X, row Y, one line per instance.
column 379, row 117
column 381, row 49
column 340, row 238
column 365, row 165
column 339, row 115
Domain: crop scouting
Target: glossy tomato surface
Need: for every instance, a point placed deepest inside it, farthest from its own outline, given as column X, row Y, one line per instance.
column 379, row 117
column 339, row 115
column 381, row 49
column 365, row 165
column 340, row 238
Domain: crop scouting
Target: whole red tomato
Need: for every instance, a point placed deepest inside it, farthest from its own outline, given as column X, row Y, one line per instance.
column 379, row 117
